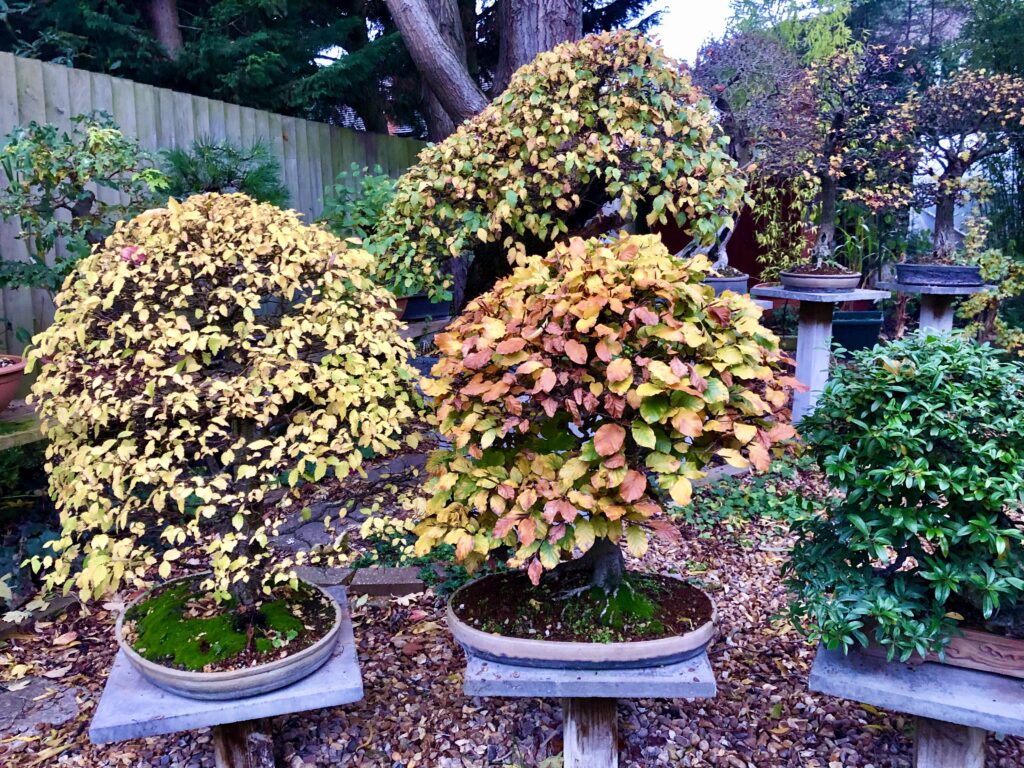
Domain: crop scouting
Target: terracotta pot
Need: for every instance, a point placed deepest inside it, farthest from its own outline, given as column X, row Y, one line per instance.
column 236, row 683
column 401, row 302
column 578, row 655
column 722, row 284
column 799, row 281
column 945, row 275
column 10, row 379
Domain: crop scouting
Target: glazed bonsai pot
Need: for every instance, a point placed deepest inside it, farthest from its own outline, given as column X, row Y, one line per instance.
column 736, row 284
column 420, row 307
column 856, row 330
column 10, row 379
column 807, row 281
column 944, row 275
column 556, row 654
column 235, row 683
column 401, row 302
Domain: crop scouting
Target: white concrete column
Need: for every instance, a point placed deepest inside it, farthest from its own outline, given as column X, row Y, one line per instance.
column 590, row 733
column 945, row 745
column 937, row 313
column 813, row 354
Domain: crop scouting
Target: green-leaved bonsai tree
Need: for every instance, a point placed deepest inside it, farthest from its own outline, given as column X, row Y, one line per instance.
column 922, row 437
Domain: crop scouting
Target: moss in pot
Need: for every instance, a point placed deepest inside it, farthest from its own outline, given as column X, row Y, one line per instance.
column 186, row 378
column 922, row 439
column 581, row 396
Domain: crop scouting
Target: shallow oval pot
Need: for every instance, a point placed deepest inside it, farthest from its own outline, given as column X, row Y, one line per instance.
column 945, row 275
column 722, row 284
column 235, row 683
column 558, row 654
column 802, row 282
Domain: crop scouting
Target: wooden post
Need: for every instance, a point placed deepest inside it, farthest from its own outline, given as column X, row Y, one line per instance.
column 936, row 313
column 243, row 745
column 945, row 745
column 813, row 352
column 590, row 733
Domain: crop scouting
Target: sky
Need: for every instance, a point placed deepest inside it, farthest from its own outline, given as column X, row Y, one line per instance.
column 688, row 23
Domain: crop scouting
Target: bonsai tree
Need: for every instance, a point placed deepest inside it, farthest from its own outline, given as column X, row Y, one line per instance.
column 961, row 122
column 220, row 166
column 922, row 437
column 598, row 133
column 586, row 392
column 205, row 356
column 56, row 184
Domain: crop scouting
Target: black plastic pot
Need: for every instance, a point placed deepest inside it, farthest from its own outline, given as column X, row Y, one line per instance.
column 947, row 275
column 720, row 284
column 420, row 307
column 854, row 331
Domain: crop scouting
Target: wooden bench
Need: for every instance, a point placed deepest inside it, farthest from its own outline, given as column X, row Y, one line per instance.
column 954, row 707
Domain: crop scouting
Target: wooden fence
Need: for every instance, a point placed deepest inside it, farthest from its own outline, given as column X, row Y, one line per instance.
column 311, row 154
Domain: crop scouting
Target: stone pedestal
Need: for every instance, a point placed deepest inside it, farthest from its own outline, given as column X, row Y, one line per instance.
column 814, row 335
column 590, row 730
column 937, row 302
column 132, row 708
column 954, row 707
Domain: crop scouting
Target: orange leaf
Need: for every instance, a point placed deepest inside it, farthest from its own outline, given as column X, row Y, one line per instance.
column 633, row 486
column 510, row 346
column 576, row 351
column 608, row 439
column 619, row 369
column 534, row 571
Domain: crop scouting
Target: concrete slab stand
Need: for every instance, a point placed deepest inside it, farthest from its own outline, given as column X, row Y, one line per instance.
column 589, row 697
column 937, row 302
column 954, row 707
column 132, row 708
column 814, row 335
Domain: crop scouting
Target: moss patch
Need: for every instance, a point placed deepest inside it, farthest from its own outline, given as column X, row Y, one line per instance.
column 178, row 627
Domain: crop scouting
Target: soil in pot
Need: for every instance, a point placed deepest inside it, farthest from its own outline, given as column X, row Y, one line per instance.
column 182, row 628
column 646, row 607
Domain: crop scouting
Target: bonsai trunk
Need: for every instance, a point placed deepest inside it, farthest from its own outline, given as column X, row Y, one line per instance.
column 825, row 242
column 722, row 260
column 605, row 564
column 246, row 593
column 945, row 231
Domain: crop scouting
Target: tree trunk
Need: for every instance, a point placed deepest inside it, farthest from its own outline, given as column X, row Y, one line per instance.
column 605, row 563
column 449, row 23
column 945, row 231
column 163, row 15
column 529, row 27
column 825, row 242
column 440, row 67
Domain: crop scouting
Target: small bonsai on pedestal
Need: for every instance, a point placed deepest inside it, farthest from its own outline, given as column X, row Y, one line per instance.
column 922, row 437
column 203, row 356
column 961, row 122
column 582, row 395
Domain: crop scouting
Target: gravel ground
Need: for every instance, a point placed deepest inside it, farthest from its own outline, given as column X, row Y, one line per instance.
column 414, row 713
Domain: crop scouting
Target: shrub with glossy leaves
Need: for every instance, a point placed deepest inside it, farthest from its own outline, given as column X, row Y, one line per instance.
column 587, row 390
column 923, row 437
column 601, row 119
column 202, row 356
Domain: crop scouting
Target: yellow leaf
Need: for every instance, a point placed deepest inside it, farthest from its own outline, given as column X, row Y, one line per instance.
column 681, row 491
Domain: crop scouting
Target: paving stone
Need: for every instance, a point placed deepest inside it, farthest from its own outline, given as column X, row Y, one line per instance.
column 314, row 534
column 19, row 713
column 381, row 582
column 324, row 577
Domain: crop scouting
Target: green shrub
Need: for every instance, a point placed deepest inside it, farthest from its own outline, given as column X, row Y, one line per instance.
column 923, row 436
column 212, row 166
column 354, row 204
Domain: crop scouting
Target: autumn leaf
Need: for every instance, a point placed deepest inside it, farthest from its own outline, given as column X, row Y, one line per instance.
column 633, row 486
column 618, row 370
column 510, row 346
column 576, row 351
column 681, row 491
column 608, row 439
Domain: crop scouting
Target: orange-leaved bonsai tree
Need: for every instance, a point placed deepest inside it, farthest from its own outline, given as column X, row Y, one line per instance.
column 582, row 397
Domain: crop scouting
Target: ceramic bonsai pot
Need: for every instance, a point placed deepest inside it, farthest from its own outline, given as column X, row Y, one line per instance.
column 808, row 281
column 554, row 654
column 856, row 330
column 737, row 284
column 401, row 303
column 11, row 375
column 945, row 275
column 420, row 307
column 236, row 683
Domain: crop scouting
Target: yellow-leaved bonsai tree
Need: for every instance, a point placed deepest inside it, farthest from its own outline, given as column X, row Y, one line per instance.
column 598, row 133
column 205, row 356
column 583, row 395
